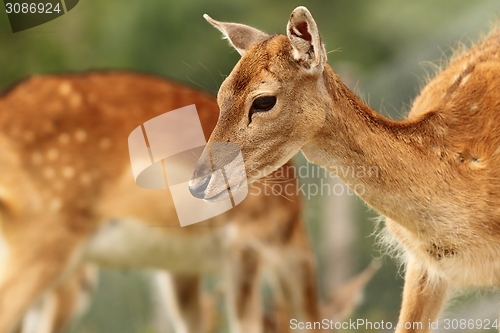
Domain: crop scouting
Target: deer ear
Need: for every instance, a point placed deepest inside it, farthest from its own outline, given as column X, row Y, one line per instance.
column 242, row 37
column 303, row 34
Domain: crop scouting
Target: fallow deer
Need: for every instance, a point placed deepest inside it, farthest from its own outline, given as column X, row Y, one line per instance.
column 437, row 178
column 67, row 195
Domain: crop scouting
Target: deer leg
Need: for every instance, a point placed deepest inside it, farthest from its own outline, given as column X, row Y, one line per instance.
column 75, row 296
column 27, row 272
column 296, row 283
column 41, row 316
column 182, row 294
column 60, row 307
column 423, row 299
column 243, row 294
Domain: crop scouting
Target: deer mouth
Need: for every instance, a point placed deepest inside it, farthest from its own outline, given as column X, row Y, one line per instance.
column 219, row 173
column 198, row 190
column 218, row 197
column 231, row 192
column 212, row 189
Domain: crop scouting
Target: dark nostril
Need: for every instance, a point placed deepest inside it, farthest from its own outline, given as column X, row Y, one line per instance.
column 198, row 191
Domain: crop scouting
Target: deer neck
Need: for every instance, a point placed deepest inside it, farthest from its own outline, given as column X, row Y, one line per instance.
column 389, row 164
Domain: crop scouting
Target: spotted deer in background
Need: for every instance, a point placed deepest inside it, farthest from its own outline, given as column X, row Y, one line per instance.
column 67, row 196
column 438, row 179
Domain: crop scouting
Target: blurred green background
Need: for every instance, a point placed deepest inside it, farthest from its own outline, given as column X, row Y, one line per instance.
column 382, row 49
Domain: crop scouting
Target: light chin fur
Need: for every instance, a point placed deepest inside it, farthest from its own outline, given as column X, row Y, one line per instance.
column 217, row 197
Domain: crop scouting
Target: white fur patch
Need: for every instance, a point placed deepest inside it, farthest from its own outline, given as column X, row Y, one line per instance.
column 128, row 243
column 88, row 285
column 39, row 317
column 464, row 262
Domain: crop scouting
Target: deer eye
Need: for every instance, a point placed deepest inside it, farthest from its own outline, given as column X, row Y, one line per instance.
column 261, row 104
column 264, row 103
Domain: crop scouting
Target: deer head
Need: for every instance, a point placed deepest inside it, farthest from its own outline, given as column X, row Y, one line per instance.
column 268, row 103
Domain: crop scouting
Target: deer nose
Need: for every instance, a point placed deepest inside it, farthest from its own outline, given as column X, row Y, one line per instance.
column 198, row 190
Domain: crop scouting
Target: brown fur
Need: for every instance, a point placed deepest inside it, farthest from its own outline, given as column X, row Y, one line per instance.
column 438, row 179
